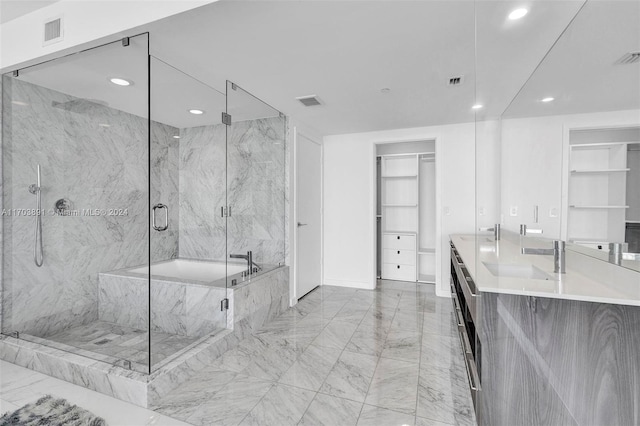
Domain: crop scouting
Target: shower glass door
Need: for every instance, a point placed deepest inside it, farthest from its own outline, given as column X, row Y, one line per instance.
column 256, row 184
column 75, row 234
column 188, row 231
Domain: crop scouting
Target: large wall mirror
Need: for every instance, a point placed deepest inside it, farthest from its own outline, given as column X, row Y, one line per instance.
column 570, row 139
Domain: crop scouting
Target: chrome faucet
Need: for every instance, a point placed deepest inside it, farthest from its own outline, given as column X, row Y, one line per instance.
column 525, row 231
column 252, row 267
column 558, row 255
column 617, row 253
column 495, row 229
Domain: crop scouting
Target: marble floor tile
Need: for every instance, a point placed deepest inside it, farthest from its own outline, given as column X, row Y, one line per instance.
column 231, row 403
column 441, row 350
column 336, row 334
column 328, row 410
column 443, row 395
column 350, row 376
column 351, row 313
column 183, row 401
column 312, row 367
column 376, row 416
column 403, row 346
column 367, row 340
column 281, row 406
column 405, row 321
column 393, row 349
column 421, row 421
column 117, row 341
column 272, row 363
column 394, row 386
column 442, row 324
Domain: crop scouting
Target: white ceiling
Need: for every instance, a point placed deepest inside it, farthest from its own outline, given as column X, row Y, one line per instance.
column 345, row 52
column 12, row 9
column 581, row 72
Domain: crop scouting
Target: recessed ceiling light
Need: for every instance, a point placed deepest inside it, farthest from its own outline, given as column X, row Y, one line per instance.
column 477, row 106
column 548, row 99
column 385, row 90
column 19, row 103
column 518, row 13
column 176, row 137
column 196, row 111
column 104, row 125
column 120, row 81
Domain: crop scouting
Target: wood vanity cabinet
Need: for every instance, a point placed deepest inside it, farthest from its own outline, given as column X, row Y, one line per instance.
column 549, row 361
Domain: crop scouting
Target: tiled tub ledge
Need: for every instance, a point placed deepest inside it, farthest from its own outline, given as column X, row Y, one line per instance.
column 251, row 305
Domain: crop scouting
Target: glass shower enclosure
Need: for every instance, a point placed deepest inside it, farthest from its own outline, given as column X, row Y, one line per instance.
column 127, row 186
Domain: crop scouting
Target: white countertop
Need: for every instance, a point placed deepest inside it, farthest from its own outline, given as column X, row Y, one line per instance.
column 586, row 279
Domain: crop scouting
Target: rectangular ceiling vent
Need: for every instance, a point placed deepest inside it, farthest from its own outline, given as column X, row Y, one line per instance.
column 311, row 100
column 52, row 31
column 456, row 81
column 629, row 58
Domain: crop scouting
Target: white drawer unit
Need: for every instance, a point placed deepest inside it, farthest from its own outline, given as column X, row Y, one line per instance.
column 394, row 271
column 399, row 241
column 399, row 256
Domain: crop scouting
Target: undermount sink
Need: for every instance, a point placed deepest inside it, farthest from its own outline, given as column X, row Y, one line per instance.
column 517, row 271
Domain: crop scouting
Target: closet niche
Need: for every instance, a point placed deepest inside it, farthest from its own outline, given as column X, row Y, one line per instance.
column 406, row 211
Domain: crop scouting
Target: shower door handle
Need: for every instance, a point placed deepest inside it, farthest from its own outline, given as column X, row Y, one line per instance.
column 166, row 217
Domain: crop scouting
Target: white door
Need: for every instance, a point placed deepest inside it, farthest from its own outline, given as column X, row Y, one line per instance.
column 309, row 211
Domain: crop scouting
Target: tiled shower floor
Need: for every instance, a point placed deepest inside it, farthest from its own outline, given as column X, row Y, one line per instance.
column 120, row 342
column 339, row 357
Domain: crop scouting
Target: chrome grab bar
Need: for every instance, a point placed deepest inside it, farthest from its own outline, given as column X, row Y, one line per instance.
column 38, row 252
column 166, row 217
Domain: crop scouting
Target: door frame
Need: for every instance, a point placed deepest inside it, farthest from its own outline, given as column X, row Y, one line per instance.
column 301, row 131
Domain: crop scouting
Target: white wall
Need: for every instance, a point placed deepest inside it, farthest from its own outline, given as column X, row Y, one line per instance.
column 534, row 165
column 349, row 199
column 84, row 22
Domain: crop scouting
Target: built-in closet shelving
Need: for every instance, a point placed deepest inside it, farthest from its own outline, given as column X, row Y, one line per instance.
column 408, row 217
column 597, row 192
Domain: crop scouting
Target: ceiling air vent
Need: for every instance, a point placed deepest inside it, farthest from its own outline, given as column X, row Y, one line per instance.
column 52, row 31
column 629, row 58
column 456, row 81
column 311, row 100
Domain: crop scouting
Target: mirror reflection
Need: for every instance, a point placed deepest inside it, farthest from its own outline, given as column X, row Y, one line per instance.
column 570, row 139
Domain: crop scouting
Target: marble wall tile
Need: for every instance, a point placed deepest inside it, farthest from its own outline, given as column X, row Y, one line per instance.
column 96, row 157
column 245, row 171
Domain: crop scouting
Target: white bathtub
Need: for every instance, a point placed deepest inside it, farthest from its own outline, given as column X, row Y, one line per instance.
column 191, row 270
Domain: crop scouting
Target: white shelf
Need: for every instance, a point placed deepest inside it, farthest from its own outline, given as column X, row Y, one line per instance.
column 400, row 232
column 600, row 171
column 603, row 145
column 598, row 207
column 398, row 176
column 426, row 250
column 588, row 241
column 399, row 205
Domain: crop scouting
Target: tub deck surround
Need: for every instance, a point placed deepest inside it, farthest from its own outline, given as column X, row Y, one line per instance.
column 255, row 302
column 586, row 279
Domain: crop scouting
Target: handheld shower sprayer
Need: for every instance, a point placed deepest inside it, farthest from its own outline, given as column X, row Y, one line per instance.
column 36, row 189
